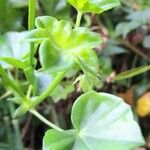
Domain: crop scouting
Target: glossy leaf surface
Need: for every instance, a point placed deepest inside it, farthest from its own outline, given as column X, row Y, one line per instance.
column 97, row 127
column 94, row 6
column 60, row 44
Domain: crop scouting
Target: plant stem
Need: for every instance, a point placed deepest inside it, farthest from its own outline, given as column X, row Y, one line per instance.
column 38, row 115
column 29, row 91
column 78, row 21
column 31, row 54
column 5, row 95
column 31, row 18
column 9, row 82
column 19, row 144
column 9, row 132
column 31, row 23
column 17, row 134
column 50, row 88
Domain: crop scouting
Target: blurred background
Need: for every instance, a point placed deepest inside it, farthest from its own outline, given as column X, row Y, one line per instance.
column 126, row 45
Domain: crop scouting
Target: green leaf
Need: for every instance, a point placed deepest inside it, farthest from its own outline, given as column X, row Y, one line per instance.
column 14, row 62
column 94, row 6
column 131, row 73
column 57, row 8
column 44, row 80
column 13, row 49
column 85, row 84
column 102, row 122
column 136, row 19
column 142, row 16
column 58, row 62
column 90, row 75
column 86, row 59
column 61, row 44
column 124, row 28
column 37, row 35
column 55, row 140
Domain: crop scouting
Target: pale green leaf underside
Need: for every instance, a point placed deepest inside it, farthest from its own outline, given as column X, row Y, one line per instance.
column 94, row 6
column 12, row 49
column 102, row 121
column 60, row 44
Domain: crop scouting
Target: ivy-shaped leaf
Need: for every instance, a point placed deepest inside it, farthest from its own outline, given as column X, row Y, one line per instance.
column 102, row 122
column 94, row 6
column 60, row 44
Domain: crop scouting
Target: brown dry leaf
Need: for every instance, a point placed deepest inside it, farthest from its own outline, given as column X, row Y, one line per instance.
column 128, row 96
column 143, row 105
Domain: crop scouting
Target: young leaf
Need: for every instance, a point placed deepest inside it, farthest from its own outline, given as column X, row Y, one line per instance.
column 61, row 43
column 101, row 121
column 94, row 6
column 85, row 84
column 58, row 62
column 37, row 35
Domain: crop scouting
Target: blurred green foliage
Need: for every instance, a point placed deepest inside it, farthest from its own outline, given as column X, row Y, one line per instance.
column 130, row 22
column 10, row 17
